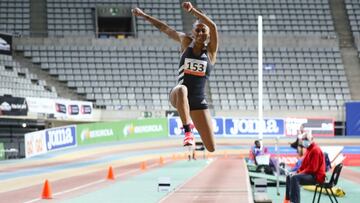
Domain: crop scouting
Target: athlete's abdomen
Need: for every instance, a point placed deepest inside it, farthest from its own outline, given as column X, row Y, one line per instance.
column 195, row 85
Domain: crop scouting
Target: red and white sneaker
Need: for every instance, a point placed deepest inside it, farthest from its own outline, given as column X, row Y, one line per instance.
column 189, row 139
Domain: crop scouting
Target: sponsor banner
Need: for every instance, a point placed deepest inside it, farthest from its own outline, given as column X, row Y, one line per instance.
column 2, row 151
column 352, row 118
column 62, row 137
column 14, row 106
column 238, row 127
column 86, row 108
column 289, row 160
column 175, row 127
column 40, row 105
column 97, row 132
column 68, row 109
column 233, row 127
column 5, row 44
column 35, row 143
column 121, row 130
column 317, row 126
column 144, row 128
column 41, row 142
column 61, row 109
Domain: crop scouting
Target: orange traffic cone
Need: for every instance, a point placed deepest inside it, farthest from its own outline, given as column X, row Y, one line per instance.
column 143, row 166
column 173, row 157
column 161, row 160
column 110, row 175
column 225, row 155
column 46, row 192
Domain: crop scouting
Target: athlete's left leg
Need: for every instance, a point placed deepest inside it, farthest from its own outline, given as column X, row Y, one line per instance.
column 203, row 123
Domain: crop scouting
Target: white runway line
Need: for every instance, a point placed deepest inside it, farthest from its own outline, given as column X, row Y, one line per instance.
column 90, row 184
column 209, row 161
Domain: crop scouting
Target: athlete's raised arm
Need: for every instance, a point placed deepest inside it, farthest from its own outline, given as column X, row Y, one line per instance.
column 213, row 43
column 163, row 27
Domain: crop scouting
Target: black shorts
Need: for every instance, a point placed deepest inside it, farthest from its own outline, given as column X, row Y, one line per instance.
column 197, row 103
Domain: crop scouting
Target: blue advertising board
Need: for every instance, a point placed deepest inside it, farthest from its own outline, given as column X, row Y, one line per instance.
column 62, row 137
column 239, row 127
column 175, row 127
column 234, row 127
column 352, row 118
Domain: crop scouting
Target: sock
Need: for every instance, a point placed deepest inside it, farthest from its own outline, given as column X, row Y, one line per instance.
column 187, row 128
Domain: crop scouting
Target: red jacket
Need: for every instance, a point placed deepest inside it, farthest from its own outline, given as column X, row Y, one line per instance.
column 314, row 163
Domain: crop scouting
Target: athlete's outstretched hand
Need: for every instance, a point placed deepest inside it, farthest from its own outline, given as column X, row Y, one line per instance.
column 137, row 12
column 187, row 6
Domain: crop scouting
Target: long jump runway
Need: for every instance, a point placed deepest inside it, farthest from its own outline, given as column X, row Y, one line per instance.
column 224, row 180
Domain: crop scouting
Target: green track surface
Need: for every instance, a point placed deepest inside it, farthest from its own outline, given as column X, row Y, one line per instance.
column 143, row 188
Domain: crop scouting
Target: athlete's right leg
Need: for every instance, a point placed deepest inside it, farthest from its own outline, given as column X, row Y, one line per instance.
column 179, row 99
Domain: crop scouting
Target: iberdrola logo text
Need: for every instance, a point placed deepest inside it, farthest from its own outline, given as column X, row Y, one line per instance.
column 88, row 134
column 133, row 129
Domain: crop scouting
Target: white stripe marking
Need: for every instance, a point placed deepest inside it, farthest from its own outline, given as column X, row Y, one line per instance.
column 181, row 68
column 181, row 75
column 88, row 184
column 176, row 189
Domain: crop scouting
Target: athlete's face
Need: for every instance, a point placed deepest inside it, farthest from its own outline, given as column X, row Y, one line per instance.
column 201, row 33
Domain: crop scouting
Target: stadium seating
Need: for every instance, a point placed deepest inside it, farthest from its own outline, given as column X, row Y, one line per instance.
column 353, row 11
column 18, row 82
column 70, row 18
column 297, row 78
column 15, row 16
column 116, row 77
column 130, row 77
column 169, row 11
column 296, row 17
column 75, row 18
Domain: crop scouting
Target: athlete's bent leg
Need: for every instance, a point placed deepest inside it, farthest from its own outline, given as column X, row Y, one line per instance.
column 179, row 99
column 203, row 123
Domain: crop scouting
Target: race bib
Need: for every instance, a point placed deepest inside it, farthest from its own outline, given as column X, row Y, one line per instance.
column 195, row 67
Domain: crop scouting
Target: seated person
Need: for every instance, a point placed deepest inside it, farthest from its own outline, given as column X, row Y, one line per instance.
column 299, row 149
column 268, row 164
column 300, row 153
column 311, row 171
column 300, row 133
column 256, row 150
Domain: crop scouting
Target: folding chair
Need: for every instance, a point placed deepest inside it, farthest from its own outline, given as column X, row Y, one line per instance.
column 329, row 185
